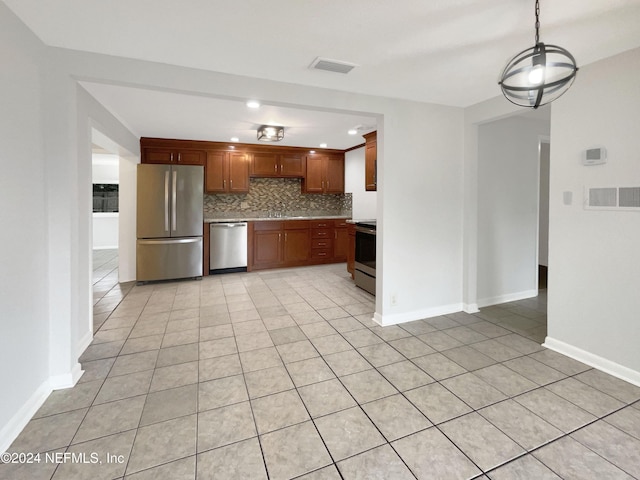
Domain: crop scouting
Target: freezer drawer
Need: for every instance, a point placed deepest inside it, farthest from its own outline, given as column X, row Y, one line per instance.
column 168, row 258
column 228, row 245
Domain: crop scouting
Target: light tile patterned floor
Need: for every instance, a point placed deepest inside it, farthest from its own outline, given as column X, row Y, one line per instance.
column 282, row 374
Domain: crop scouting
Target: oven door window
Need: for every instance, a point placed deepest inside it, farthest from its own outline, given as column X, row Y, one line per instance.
column 366, row 249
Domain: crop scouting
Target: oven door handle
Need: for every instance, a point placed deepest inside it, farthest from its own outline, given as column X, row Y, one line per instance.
column 370, row 231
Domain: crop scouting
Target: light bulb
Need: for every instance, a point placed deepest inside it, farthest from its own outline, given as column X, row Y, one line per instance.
column 536, row 75
column 353, row 131
column 253, row 104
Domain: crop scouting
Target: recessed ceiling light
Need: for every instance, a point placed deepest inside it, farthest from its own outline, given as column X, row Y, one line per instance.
column 323, row 145
column 234, row 139
column 353, row 131
column 253, row 104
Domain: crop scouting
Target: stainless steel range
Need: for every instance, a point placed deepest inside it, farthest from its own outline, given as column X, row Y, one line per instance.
column 365, row 259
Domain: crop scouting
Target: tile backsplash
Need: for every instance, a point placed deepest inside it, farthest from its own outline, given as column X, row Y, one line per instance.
column 277, row 195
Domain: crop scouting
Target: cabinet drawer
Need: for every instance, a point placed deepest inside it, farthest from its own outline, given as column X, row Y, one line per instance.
column 321, row 243
column 296, row 224
column 268, row 225
column 321, row 253
column 340, row 223
column 321, row 233
column 321, row 223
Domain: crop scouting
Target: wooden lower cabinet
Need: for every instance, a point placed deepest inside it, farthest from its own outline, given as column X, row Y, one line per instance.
column 296, row 242
column 291, row 243
column 351, row 248
column 340, row 242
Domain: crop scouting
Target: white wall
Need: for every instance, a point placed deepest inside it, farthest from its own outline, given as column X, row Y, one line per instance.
column 508, row 209
column 364, row 203
column 594, row 277
column 24, row 328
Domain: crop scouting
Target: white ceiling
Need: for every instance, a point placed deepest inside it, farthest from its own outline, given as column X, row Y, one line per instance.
column 442, row 51
column 152, row 113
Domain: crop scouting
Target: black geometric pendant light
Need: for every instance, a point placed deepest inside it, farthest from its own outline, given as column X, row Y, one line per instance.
column 538, row 75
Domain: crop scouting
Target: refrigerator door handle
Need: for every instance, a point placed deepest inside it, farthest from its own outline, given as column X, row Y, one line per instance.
column 174, row 198
column 167, row 241
column 166, row 201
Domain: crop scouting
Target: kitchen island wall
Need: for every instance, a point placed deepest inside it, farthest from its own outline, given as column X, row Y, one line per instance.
column 277, row 195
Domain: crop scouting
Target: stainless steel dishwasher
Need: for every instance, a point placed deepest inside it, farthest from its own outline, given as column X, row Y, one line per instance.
column 228, row 246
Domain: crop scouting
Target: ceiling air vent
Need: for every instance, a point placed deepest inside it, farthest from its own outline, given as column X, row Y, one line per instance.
column 336, row 66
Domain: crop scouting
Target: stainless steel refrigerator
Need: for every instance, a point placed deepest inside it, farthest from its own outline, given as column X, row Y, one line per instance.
column 170, row 217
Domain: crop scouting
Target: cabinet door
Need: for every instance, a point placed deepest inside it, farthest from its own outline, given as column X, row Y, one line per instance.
column 340, row 244
column 314, row 178
column 238, row 172
column 291, row 165
column 296, row 245
column 266, row 247
column 351, row 248
column 158, row 155
column 264, row 165
column 334, row 174
column 190, row 157
column 215, row 173
column 371, row 165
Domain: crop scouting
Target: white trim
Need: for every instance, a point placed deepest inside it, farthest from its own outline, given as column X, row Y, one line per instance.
column 470, row 308
column 108, row 247
column 395, row 318
column 84, row 342
column 509, row 297
column 16, row 424
column 596, row 361
column 66, row 380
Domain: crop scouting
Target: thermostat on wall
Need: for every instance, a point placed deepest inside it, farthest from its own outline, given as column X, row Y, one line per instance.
column 594, row 156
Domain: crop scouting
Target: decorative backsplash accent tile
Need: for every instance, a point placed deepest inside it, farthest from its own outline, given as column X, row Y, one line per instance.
column 278, row 195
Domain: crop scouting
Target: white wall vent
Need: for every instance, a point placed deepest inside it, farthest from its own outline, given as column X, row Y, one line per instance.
column 336, row 66
column 612, row 198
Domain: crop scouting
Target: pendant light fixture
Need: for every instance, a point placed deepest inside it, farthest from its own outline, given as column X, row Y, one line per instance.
column 538, row 75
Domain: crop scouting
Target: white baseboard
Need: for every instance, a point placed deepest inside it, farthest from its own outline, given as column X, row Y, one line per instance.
column 12, row 429
column 470, row 308
column 396, row 318
column 596, row 361
column 84, row 342
column 66, row 380
column 509, row 297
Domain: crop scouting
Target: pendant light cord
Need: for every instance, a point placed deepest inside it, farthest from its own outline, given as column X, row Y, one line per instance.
column 537, row 22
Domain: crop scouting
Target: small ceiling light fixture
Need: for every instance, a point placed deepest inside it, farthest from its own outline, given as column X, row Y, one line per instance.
column 253, row 104
column 538, row 75
column 270, row 133
column 323, row 145
column 234, row 139
column 353, row 131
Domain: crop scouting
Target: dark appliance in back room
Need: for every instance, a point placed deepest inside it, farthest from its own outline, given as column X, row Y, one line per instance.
column 365, row 258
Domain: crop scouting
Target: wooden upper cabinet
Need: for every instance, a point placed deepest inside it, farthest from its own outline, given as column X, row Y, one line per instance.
column 325, row 174
column 292, row 165
column 173, row 155
column 272, row 164
column 335, row 174
column 264, row 165
column 215, row 173
column 238, row 172
column 371, row 162
column 227, row 172
column 314, row 180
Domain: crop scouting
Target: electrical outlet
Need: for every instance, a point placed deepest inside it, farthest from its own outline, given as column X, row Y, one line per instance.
column 394, row 299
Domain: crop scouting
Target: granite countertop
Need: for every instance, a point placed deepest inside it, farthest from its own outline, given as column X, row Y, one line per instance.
column 260, row 216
